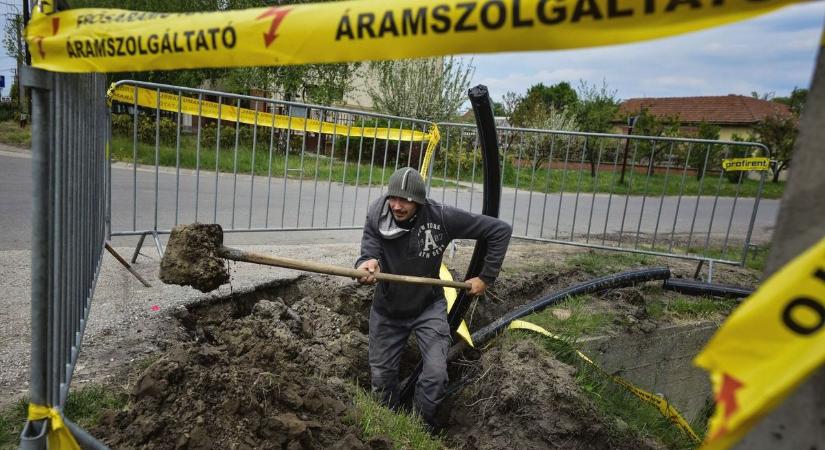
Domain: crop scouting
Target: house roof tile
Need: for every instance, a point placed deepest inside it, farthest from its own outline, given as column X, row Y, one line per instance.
column 727, row 109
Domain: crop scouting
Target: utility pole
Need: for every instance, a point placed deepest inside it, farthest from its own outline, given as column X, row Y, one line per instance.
column 799, row 422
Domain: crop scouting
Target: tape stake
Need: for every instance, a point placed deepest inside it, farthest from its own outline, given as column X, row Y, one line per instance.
column 114, row 40
column 735, row 164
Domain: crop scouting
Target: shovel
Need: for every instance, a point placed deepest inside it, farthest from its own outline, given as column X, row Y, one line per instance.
column 195, row 257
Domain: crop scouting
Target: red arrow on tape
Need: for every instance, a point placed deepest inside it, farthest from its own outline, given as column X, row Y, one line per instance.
column 277, row 15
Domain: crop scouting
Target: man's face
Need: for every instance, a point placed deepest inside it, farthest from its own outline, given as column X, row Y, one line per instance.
column 402, row 209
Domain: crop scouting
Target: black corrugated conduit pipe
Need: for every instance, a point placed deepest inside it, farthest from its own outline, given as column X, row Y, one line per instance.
column 693, row 287
column 614, row 281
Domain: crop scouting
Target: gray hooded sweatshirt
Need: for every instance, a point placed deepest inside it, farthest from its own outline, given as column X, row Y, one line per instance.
column 418, row 251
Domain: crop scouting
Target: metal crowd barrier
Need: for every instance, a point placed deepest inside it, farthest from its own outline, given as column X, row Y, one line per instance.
column 69, row 230
column 249, row 163
column 639, row 194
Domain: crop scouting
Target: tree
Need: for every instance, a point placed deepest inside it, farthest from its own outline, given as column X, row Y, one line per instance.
column 778, row 133
column 707, row 131
column 596, row 108
column 540, row 144
column 558, row 96
column 649, row 125
column 431, row 88
column 795, row 101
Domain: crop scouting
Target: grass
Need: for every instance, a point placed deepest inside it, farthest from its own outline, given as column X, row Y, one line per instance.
column 84, row 407
column 404, row 429
column 605, row 263
column 543, row 180
column 690, row 307
column 12, row 134
column 560, row 180
column 581, row 322
column 351, row 173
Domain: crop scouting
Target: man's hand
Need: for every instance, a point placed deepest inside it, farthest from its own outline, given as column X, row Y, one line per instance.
column 478, row 286
column 372, row 267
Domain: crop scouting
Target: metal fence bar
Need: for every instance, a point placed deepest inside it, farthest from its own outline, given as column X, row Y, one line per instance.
column 595, row 188
column 547, row 178
column 612, row 190
column 217, row 159
column 177, row 159
column 662, row 198
column 252, row 169
column 679, row 202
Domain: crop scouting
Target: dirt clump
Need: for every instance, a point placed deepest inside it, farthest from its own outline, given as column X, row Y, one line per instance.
column 524, row 398
column 191, row 257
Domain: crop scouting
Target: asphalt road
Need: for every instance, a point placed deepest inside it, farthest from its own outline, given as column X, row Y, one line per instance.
column 242, row 203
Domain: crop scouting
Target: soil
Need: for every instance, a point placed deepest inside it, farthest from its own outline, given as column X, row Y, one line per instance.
column 525, row 399
column 274, row 368
column 191, row 257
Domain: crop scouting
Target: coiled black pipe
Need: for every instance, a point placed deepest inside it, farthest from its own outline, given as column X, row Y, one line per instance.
column 588, row 287
column 693, row 287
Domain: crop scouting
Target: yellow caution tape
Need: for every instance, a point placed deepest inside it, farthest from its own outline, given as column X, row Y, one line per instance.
column 451, row 294
column 148, row 98
column 665, row 408
column 59, row 435
column 113, row 40
column 767, row 347
column 746, row 164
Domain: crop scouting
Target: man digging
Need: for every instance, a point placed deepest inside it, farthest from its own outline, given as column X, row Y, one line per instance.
column 406, row 233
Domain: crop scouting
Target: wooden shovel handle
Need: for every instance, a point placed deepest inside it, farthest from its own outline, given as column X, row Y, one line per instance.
column 289, row 263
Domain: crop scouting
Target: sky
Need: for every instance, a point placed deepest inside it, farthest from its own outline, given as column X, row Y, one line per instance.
column 770, row 54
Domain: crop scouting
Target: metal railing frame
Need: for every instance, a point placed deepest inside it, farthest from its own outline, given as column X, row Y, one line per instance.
column 69, row 232
column 658, row 142
column 323, row 112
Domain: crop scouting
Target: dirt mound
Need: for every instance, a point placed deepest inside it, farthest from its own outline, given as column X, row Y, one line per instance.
column 259, row 373
column 523, row 398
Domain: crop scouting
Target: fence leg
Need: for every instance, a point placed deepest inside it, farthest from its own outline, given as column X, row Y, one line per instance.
column 158, row 244
column 698, row 269
column 138, row 247
column 126, row 265
column 710, row 271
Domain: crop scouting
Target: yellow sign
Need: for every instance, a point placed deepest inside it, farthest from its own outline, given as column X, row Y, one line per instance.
column 746, row 164
column 665, row 408
column 113, row 40
column 767, row 347
column 148, row 98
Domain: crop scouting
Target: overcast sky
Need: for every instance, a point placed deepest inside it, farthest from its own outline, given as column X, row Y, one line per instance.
column 772, row 53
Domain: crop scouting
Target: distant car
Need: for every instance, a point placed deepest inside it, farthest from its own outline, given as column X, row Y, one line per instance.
column 5, row 99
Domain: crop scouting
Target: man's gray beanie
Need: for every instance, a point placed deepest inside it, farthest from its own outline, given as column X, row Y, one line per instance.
column 407, row 183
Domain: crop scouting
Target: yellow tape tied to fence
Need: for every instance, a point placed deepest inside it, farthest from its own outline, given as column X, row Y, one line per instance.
column 59, row 436
column 733, row 164
column 767, row 347
column 148, row 98
column 112, row 40
column 665, row 408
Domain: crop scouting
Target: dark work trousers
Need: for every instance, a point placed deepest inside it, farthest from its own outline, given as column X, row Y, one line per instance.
column 388, row 337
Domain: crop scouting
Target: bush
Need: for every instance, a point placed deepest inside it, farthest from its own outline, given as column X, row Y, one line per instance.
column 123, row 125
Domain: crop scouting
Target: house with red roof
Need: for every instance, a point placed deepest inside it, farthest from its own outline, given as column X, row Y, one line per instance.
column 734, row 114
